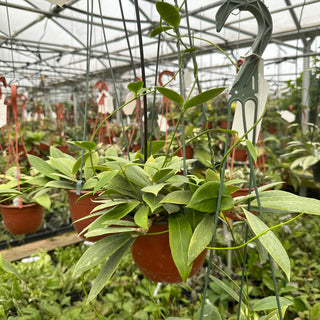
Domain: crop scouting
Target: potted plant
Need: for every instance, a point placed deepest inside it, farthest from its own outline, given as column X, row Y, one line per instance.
column 22, row 201
column 75, row 175
column 304, row 151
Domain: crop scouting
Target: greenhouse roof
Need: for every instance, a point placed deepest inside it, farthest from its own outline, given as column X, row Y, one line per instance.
column 43, row 44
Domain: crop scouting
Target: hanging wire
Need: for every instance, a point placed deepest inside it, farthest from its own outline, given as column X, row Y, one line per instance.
column 84, row 133
column 112, row 75
column 10, row 38
column 143, row 75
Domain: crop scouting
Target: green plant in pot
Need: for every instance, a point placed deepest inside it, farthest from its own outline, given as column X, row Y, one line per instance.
column 304, row 151
column 135, row 197
column 23, row 200
column 63, row 171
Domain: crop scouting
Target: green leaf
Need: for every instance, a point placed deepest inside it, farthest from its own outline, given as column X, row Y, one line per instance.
column 135, row 87
column 41, row 166
column 201, row 237
column 87, row 145
column 77, row 165
column 104, row 178
column 61, row 184
column 8, row 267
column 210, row 312
column 157, row 30
column 44, row 200
column 63, row 165
column 114, row 213
column 178, row 197
column 56, row 153
column 252, row 150
column 168, row 13
column 180, row 234
column 156, row 146
column 141, row 217
column 205, row 198
column 163, row 175
column 153, row 201
column 99, row 251
column 108, row 269
column 269, row 303
column 109, row 230
column 170, row 94
column 287, row 202
column 227, row 288
column 270, row 242
column 203, row 97
column 155, row 188
column 137, row 175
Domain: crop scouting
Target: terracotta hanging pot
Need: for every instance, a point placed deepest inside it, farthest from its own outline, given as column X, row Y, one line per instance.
column 26, row 219
column 80, row 209
column 189, row 152
column 152, row 256
column 240, row 154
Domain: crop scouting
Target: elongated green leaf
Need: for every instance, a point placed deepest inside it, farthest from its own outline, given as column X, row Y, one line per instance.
column 135, row 87
column 180, row 234
column 205, row 198
column 99, row 251
column 157, row 30
column 108, row 204
column 41, row 166
column 61, row 184
column 153, row 201
column 210, row 312
column 168, row 13
column 77, row 165
column 154, row 189
column 56, row 153
column 201, row 237
column 108, row 269
column 156, row 146
column 8, row 267
column 44, row 200
column 203, row 97
column 163, row 175
column 141, row 217
column 170, row 94
column 87, row 145
column 269, row 303
column 227, row 288
column 109, row 230
column 178, row 197
column 137, row 175
column 117, row 212
column 104, row 178
column 288, row 202
column 252, row 150
column 270, row 242
column 309, row 161
column 63, row 165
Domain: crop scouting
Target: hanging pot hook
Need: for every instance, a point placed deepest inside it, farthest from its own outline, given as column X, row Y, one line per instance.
column 168, row 73
column 264, row 20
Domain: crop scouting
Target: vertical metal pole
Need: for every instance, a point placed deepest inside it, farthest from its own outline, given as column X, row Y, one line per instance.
column 305, row 89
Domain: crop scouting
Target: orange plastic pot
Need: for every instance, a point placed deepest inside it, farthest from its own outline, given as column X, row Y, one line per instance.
column 26, row 219
column 80, row 209
column 152, row 256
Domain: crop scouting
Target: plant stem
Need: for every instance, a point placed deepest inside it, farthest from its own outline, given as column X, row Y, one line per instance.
column 259, row 235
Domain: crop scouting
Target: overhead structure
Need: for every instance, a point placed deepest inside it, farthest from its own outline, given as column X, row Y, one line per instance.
column 43, row 45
